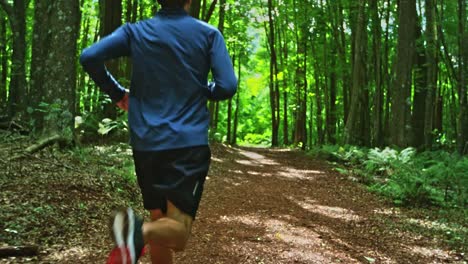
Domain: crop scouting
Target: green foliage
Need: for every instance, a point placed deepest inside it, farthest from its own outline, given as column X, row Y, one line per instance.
column 408, row 178
column 55, row 113
column 107, row 125
column 257, row 139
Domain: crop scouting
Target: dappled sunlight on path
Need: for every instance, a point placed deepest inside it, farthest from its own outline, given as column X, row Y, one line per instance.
column 280, row 206
column 270, row 206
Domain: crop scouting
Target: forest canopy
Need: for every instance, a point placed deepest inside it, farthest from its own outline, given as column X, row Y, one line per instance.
column 312, row 72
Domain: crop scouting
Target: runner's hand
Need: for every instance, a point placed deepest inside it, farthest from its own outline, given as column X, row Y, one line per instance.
column 123, row 103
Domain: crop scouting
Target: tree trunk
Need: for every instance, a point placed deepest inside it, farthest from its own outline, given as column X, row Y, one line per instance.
column 431, row 54
column 342, row 47
column 3, row 61
column 300, row 112
column 195, row 8
column 40, row 48
column 377, row 131
column 214, row 106
column 135, row 10
column 236, row 112
column 273, row 72
column 111, row 19
column 210, row 11
column 401, row 95
column 387, row 76
column 229, row 113
column 355, row 131
column 462, row 136
column 64, row 24
column 420, row 91
column 17, row 91
column 318, row 102
column 331, row 120
column 283, row 63
column 82, row 86
column 326, row 71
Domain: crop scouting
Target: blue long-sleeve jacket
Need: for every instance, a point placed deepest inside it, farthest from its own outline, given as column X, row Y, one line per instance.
column 172, row 54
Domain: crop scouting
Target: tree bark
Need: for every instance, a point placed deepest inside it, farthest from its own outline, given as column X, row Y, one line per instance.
column 387, row 75
column 111, row 19
column 318, row 102
column 236, row 112
column 195, row 8
column 431, row 54
column 345, row 76
column 229, row 112
column 401, row 94
column 3, row 61
column 210, row 11
column 420, row 91
column 273, row 73
column 355, row 131
column 17, row 91
column 377, row 131
column 214, row 106
column 462, row 135
column 61, row 59
column 283, row 47
column 40, row 48
column 331, row 120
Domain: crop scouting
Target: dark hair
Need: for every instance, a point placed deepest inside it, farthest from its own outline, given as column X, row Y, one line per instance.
column 173, row 3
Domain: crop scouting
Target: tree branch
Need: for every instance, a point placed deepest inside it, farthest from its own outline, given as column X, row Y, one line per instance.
column 210, row 11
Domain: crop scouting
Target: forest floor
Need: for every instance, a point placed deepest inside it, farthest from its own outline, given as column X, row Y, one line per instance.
column 259, row 206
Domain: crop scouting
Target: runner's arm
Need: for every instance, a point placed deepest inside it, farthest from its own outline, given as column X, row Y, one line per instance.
column 225, row 81
column 92, row 58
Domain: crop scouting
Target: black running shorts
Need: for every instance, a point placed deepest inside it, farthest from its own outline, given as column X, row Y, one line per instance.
column 176, row 175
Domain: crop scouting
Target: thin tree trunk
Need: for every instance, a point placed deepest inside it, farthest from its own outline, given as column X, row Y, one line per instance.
column 342, row 47
column 17, row 91
column 273, row 73
column 214, row 106
column 236, row 113
column 3, row 60
column 387, row 76
column 431, row 54
column 283, row 60
column 135, row 10
column 112, row 19
column 318, row 102
column 377, row 131
column 420, row 91
column 82, row 85
column 229, row 113
column 331, row 120
column 462, row 135
column 402, row 85
column 325, row 73
column 210, row 11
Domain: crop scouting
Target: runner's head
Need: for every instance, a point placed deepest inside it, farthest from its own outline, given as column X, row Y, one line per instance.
column 175, row 3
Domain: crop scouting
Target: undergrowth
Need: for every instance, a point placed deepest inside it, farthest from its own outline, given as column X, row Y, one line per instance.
column 435, row 178
column 434, row 182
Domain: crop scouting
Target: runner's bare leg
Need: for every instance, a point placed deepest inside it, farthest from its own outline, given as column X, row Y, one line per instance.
column 171, row 232
column 160, row 255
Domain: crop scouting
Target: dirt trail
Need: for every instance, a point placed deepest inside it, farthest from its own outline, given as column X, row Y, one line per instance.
column 279, row 206
column 259, row 206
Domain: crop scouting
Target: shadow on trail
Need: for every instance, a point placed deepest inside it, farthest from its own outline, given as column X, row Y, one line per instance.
column 279, row 206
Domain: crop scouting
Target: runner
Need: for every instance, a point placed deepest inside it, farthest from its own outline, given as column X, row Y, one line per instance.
column 172, row 54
